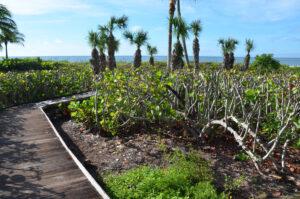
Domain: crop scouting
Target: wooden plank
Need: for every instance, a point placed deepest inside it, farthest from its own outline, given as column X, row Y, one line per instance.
column 33, row 163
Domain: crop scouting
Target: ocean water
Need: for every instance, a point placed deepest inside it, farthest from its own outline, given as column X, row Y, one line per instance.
column 287, row 61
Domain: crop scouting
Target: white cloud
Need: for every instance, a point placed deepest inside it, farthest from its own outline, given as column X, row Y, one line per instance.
column 37, row 7
column 135, row 28
column 58, row 41
column 45, row 43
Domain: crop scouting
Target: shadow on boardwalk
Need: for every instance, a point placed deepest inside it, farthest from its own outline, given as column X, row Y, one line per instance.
column 18, row 175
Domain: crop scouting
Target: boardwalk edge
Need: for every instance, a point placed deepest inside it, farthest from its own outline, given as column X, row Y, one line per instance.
column 78, row 163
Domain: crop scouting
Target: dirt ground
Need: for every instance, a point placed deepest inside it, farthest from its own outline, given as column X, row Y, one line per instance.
column 143, row 146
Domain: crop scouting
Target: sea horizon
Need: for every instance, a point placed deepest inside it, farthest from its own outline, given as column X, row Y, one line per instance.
column 291, row 61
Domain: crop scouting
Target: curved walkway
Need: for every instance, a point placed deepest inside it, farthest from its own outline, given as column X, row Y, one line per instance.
column 33, row 162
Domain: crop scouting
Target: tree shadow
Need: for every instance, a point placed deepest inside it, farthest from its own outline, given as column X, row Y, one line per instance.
column 18, row 174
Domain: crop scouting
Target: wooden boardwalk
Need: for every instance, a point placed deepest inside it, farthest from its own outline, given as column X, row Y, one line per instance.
column 33, row 162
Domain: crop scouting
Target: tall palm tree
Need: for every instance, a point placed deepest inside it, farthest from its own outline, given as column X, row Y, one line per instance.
column 171, row 15
column 183, row 38
column 6, row 21
column 93, row 40
column 151, row 51
column 11, row 36
column 139, row 39
column 113, row 24
column 196, row 28
column 232, row 46
column 249, row 48
column 180, row 30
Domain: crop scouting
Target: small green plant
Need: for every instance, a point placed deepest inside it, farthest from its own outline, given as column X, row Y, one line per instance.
column 185, row 178
column 241, row 157
column 233, row 185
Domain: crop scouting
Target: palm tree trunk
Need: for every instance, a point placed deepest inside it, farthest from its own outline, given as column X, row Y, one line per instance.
column 177, row 62
column 95, row 61
column 102, row 60
column 6, row 50
column 111, row 53
column 231, row 60
column 196, row 50
column 137, row 58
column 151, row 60
column 171, row 15
column 182, row 38
column 247, row 62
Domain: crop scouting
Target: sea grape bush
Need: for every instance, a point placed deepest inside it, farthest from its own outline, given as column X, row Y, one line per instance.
column 125, row 97
column 260, row 110
column 26, row 64
column 18, row 88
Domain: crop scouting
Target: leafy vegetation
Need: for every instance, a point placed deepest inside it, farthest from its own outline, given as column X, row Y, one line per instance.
column 187, row 177
column 27, row 64
column 262, row 107
column 265, row 62
column 24, row 87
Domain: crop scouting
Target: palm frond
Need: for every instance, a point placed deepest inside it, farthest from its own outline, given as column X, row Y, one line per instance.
column 249, row 45
column 93, row 39
column 196, row 27
column 141, row 38
column 151, row 50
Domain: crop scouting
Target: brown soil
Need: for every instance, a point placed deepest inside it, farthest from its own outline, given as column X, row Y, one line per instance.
column 143, row 146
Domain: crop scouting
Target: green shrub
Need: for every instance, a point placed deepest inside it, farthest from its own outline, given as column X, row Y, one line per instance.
column 186, row 178
column 265, row 62
column 26, row 64
column 24, row 87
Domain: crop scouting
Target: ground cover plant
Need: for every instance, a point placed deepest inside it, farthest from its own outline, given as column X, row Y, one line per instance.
column 261, row 111
column 24, row 87
column 187, row 177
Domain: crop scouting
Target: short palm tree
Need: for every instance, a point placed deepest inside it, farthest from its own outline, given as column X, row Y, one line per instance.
column 249, row 48
column 113, row 24
column 139, row 39
column 152, row 51
column 232, row 46
column 93, row 40
column 102, row 46
column 180, row 30
column 224, row 46
column 196, row 28
column 11, row 36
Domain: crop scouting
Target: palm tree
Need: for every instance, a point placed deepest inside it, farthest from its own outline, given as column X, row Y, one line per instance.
column 93, row 40
column 113, row 24
column 151, row 51
column 11, row 36
column 232, row 46
column 182, row 37
column 6, row 22
column 171, row 15
column 102, row 46
column 249, row 48
column 196, row 28
column 224, row 45
column 139, row 39
column 180, row 30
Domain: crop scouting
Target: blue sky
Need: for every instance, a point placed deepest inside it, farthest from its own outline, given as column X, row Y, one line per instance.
column 60, row 27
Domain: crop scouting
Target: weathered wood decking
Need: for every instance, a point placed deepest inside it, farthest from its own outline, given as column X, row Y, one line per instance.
column 33, row 162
